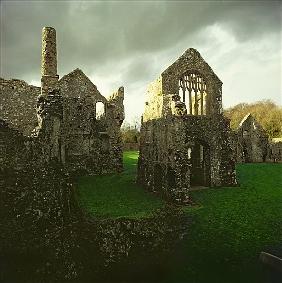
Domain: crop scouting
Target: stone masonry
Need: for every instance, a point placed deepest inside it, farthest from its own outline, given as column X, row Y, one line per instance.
column 252, row 141
column 185, row 139
column 60, row 120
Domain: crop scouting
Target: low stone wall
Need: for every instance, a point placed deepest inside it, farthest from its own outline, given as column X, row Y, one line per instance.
column 116, row 248
column 39, row 244
column 36, row 204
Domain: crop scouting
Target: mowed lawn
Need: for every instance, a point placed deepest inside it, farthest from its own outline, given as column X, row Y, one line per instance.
column 117, row 195
column 231, row 226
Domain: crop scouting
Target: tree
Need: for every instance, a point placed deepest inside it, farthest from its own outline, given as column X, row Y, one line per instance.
column 130, row 132
column 266, row 112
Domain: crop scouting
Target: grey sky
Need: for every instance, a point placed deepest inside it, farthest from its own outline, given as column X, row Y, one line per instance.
column 131, row 43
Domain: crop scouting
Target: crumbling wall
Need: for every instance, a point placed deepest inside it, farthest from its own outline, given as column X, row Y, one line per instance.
column 252, row 141
column 154, row 101
column 192, row 61
column 164, row 165
column 18, row 104
column 14, row 148
column 115, row 116
column 274, row 153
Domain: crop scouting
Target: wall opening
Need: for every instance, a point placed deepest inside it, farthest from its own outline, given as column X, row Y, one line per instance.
column 158, row 177
column 100, row 110
column 192, row 91
column 171, row 178
column 200, row 161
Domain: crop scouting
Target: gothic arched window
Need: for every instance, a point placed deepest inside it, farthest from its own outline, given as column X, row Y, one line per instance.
column 192, row 91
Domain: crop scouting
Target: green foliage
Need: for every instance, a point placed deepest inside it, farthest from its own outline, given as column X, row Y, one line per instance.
column 117, row 195
column 267, row 113
column 130, row 133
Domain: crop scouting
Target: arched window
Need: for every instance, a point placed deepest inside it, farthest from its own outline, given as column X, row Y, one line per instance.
column 192, row 91
column 100, row 110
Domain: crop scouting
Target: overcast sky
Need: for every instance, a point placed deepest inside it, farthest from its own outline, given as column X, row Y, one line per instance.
column 122, row 43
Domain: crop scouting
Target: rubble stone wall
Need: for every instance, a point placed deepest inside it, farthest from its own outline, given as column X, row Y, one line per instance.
column 18, row 104
column 164, row 165
column 275, row 152
column 252, row 141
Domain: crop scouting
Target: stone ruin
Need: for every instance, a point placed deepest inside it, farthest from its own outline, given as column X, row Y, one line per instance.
column 251, row 141
column 185, row 139
column 275, row 150
column 67, row 120
column 48, row 137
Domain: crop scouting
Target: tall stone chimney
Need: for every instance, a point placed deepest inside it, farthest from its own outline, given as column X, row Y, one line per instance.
column 49, row 77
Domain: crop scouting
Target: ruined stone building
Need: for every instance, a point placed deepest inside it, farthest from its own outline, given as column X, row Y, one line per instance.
column 275, row 150
column 251, row 141
column 66, row 120
column 185, row 139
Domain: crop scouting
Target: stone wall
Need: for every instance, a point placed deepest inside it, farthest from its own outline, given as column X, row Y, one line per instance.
column 275, row 150
column 18, row 104
column 64, row 118
column 15, row 148
column 181, row 148
column 252, row 141
column 164, row 165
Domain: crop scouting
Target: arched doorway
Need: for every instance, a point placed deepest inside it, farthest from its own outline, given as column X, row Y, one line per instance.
column 200, row 161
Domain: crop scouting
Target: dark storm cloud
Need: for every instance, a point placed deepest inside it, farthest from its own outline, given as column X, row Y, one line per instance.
column 100, row 36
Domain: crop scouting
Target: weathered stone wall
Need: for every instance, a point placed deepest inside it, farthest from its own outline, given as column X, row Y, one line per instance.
column 192, row 61
column 36, row 206
column 154, row 101
column 252, row 141
column 115, row 116
column 275, row 151
column 14, row 148
column 164, row 164
column 18, row 104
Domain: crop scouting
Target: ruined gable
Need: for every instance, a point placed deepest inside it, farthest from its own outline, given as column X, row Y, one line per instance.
column 18, row 104
column 252, row 141
column 185, row 140
column 191, row 60
column 189, row 86
column 77, row 84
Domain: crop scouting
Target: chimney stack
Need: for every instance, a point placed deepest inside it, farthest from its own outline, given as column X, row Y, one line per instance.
column 49, row 77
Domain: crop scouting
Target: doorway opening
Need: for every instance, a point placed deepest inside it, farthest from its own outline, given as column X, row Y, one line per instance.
column 200, row 161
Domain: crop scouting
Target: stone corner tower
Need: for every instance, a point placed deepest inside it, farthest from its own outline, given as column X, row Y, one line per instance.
column 49, row 76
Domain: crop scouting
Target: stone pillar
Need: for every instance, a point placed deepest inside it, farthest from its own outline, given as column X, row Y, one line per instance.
column 49, row 77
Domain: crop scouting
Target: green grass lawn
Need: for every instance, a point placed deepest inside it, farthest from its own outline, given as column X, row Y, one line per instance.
column 117, row 195
column 231, row 225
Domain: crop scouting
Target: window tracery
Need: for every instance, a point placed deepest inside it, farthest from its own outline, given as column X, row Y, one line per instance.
column 192, row 91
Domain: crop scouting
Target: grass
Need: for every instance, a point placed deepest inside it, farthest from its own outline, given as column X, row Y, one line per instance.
column 117, row 195
column 231, row 225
